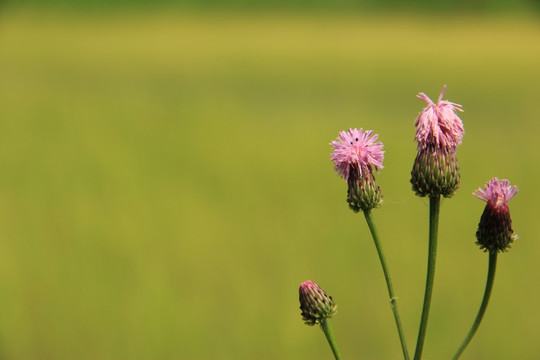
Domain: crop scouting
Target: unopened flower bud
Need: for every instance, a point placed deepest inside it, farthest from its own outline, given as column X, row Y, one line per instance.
column 315, row 304
column 495, row 228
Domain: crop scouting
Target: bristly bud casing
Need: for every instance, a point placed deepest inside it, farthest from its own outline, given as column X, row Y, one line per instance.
column 435, row 172
column 495, row 231
column 363, row 193
column 439, row 131
column 315, row 304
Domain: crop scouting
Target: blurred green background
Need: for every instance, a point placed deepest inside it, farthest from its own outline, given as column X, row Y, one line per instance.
column 165, row 182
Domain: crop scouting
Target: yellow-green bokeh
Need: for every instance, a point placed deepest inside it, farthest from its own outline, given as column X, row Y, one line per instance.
column 165, row 183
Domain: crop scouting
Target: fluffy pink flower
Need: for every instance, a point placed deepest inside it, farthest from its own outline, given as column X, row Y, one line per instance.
column 496, row 193
column 438, row 125
column 356, row 149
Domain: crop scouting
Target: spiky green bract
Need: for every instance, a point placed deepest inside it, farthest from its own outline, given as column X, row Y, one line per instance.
column 315, row 304
column 435, row 172
column 363, row 193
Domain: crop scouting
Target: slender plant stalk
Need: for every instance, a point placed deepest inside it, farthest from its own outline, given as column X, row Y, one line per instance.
column 434, row 204
column 325, row 326
column 393, row 298
column 487, row 293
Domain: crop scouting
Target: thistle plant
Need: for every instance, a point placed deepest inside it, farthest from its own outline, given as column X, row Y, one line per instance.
column 358, row 154
column 317, row 308
column 439, row 131
column 494, row 235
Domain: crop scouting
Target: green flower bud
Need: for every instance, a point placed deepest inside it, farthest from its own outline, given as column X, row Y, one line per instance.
column 435, row 172
column 315, row 304
column 363, row 193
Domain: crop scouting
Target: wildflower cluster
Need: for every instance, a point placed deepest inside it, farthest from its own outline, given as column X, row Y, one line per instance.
column 358, row 154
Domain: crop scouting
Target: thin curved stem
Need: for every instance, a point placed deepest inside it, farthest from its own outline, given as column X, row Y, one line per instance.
column 434, row 205
column 393, row 298
column 487, row 293
column 327, row 330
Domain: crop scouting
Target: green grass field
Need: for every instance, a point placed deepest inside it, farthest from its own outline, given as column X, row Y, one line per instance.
column 165, row 183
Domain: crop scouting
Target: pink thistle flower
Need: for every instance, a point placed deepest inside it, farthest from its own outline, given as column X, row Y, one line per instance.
column 356, row 150
column 495, row 231
column 355, row 155
column 439, row 131
column 438, row 124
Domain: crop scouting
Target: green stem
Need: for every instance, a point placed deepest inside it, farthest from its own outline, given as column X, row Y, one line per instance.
column 434, row 204
column 325, row 326
column 483, row 307
column 393, row 298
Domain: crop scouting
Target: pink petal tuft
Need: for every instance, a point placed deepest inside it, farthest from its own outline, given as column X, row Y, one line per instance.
column 357, row 149
column 438, row 125
column 496, row 193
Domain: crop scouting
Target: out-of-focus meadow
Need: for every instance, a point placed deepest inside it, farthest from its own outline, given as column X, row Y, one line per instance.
column 165, row 182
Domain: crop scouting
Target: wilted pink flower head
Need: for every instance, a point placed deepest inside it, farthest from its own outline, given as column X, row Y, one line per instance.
column 358, row 150
column 495, row 228
column 315, row 304
column 439, row 131
column 438, row 125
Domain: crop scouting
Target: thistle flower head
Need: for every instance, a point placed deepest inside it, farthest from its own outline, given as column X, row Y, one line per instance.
column 438, row 125
column 495, row 228
column 315, row 304
column 356, row 154
column 357, row 150
column 439, row 131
